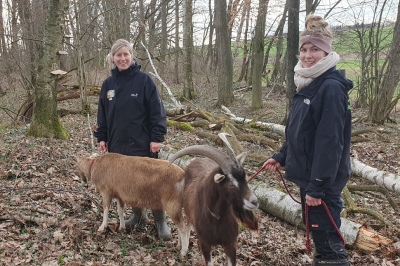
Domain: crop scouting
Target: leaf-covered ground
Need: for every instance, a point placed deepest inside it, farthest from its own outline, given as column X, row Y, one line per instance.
column 48, row 217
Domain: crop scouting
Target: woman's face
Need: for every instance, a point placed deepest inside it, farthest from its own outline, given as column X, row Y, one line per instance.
column 310, row 55
column 122, row 58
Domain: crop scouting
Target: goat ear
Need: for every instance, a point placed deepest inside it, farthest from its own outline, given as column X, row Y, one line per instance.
column 241, row 157
column 218, row 178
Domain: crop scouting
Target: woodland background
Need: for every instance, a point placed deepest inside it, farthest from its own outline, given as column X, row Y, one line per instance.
column 204, row 55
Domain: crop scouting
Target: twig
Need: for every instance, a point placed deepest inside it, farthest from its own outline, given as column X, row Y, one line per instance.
column 37, row 220
column 177, row 104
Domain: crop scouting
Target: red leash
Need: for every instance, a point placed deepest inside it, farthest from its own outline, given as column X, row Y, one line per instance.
column 308, row 241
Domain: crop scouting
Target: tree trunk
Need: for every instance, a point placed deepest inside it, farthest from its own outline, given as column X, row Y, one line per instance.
column 384, row 102
column 244, row 7
column 46, row 122
column 224, row 55
column 245, row 59
column 188, row 90
column 3, row 44
column 258, row 55
column 292, row 49
column 210, row 60
column 177, row 50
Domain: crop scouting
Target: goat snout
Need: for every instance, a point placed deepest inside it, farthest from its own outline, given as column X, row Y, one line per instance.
column 251, row 203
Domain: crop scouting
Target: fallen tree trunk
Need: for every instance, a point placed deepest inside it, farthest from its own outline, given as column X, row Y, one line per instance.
column 381, row 178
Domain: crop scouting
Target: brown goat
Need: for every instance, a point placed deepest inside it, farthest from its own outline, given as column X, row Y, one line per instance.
column 140, row 182
column 216, row 196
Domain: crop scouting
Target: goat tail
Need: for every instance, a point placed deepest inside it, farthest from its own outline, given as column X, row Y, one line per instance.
column 247, row 219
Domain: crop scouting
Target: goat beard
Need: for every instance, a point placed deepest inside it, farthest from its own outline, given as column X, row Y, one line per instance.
column 246, row 218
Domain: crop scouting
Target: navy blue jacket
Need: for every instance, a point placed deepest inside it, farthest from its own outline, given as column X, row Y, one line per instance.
column 130, row 112
column 316, row 150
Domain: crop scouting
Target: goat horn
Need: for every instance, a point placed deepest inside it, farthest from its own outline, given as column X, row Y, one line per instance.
column 223, row 136
column 217, row 156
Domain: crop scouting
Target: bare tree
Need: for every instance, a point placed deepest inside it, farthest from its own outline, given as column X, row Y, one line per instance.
column 210, row 51
column 46, row 122
column 245, row 59
column 292, row 48
column 224, row 55
column 385, row 102
column 188, row 90
column 177, row 49
column 3, row 44
column 258, row 55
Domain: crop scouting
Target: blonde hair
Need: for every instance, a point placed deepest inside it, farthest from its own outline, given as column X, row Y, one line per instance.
column 315, row 25
column 118, row 44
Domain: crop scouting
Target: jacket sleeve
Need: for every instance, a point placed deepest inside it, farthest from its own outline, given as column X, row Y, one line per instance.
column 101, row 131
column 157, row 114
column 330, row 117
column 280, row 156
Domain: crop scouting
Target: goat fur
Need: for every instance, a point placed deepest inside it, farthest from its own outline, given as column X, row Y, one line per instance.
column 140, row 182
column 214, row 202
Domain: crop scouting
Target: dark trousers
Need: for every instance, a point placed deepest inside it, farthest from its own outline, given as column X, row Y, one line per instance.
column 327, row 241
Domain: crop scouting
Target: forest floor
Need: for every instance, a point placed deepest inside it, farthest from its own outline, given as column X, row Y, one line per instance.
column 48, row 217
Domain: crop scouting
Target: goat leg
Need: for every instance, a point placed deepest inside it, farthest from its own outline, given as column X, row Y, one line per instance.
column 105, row 220
column 230, row 252
column 206, row 250
column 106, row 207
column 120, row 208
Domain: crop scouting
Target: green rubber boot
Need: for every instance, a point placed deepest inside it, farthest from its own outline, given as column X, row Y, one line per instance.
column 163, row 231
column 139, row 217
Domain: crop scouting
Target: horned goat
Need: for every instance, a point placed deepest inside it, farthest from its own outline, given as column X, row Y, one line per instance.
column 140, row 182
column 216, row 195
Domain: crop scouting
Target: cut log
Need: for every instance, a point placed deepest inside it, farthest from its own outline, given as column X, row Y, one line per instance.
column 281, row 205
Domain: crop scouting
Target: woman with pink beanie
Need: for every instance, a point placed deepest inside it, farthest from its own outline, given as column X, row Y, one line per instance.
column 316, row 150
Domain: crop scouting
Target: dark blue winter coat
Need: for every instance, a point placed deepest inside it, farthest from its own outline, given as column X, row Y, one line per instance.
column 130, row 112
column 316, row 151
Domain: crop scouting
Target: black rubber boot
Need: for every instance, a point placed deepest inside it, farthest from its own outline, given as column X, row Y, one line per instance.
column 139, row 217
column 329, row 249
column 163, row 231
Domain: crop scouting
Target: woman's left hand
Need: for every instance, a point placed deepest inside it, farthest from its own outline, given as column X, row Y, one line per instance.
column 310, row 201
column 155, row 147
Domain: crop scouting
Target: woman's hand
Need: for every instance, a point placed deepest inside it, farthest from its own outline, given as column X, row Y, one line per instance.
column 155, row 147
column 271, row 165
column 103, row 146
column 310, row 201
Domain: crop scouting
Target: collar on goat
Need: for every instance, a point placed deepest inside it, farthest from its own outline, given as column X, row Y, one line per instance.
column 216, row 216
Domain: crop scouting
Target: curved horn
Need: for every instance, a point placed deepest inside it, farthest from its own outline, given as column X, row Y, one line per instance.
column 232, row 154
column 217, row 156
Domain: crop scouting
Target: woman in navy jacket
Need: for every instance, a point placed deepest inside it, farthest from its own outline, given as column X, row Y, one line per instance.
column 316, row 150
column 131, row 118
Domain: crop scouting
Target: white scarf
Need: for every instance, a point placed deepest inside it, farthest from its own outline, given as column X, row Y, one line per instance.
column 304, row 76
